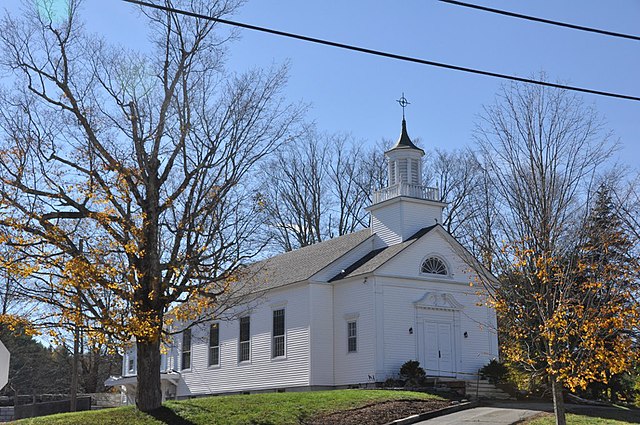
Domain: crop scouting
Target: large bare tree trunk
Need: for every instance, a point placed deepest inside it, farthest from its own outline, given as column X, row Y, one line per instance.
column 148, row 394
column 558, row 402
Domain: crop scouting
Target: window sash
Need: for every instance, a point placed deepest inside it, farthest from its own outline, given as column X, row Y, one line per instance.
column 244, row 347
column 278, row 334
column 434, row 265
column 186, row 349
column 214, row 345
column 352, row 337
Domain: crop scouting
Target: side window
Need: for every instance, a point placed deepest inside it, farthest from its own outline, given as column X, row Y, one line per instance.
column 186, row 349
column 352, row 336
column 278, row 343
column 214, row 345
column 131, row 366
column 244, row 348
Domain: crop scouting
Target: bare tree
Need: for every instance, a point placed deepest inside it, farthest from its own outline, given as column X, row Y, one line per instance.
column 541, row 149
column 351, row 183
column 318, row 188
column 144, row 157
column 295, row 196
column 457, row 174
column 627, row 199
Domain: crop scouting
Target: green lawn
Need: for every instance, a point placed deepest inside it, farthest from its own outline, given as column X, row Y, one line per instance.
column 549, row 419
column 256, row 409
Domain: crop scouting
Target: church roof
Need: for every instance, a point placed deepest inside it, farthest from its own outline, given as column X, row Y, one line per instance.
column 378, row 257
column 404, row 141
column 300, row 264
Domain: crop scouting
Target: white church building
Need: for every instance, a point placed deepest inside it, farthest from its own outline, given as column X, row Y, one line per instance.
column 347, row 311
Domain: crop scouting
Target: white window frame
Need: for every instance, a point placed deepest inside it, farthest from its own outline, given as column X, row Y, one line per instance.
column 352, row 337
column 446, row 264
column 184, row 351
column 214, row 347
column 352, row 318
column 283, row 337
column 243, row 343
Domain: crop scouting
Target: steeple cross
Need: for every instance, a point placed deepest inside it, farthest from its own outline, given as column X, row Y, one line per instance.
column 403, row 102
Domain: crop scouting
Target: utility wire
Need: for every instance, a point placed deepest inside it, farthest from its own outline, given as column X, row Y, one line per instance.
column 545, row 21
column 380, row 53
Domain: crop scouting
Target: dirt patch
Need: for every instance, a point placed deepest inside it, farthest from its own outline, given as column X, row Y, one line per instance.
column 379, row 413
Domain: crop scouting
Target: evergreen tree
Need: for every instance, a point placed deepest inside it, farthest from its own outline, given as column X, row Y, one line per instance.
column 606, row 256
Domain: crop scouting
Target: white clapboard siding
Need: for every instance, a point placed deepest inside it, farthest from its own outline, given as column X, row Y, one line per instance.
column 354, row 298
column 400, row 314
column 262, row 371
column 433, row 243
column 385, row 224
column 402, row 285
column 321, row 348
column 398, row 219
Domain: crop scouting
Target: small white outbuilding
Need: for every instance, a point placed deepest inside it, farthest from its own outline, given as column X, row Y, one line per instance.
column 4, row 365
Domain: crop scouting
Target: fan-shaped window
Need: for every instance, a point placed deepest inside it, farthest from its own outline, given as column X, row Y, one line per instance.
column 434, row 265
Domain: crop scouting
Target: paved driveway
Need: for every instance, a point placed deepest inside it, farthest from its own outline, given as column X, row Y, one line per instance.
column 503, row 413
column 484, row 415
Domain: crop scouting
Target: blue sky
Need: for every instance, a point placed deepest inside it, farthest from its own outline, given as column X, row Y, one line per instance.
column 356, row 93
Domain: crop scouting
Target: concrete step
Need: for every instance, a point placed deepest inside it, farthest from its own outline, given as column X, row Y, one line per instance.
column 485, row 390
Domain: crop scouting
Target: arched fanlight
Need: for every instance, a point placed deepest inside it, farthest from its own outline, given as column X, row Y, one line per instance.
column 434, row 265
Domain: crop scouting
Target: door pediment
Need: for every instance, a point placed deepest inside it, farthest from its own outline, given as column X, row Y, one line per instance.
column 438, row 301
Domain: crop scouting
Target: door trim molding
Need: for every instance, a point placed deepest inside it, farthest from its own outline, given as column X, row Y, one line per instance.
column 437, row 307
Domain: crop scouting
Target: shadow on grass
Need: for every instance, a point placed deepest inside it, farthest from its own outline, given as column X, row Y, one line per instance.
column 169, row 417
column 621, row 414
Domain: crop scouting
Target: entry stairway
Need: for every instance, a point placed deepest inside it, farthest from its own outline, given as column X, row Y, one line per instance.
column 483, row 389
column 473, row 389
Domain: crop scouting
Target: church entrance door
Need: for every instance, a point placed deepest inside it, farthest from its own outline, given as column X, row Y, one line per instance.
column 438, row 349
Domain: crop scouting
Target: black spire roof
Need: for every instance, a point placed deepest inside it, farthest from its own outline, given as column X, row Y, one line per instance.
column 404, row 142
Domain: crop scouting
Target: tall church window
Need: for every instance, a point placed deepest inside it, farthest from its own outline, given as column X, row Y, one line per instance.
column 352, row 336
column 186, row 349
column 214, row 344
column 244, row 349
column 434, row 265
column 278, row 333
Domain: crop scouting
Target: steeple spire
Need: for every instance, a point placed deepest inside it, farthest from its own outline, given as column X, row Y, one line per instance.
column 404, row 141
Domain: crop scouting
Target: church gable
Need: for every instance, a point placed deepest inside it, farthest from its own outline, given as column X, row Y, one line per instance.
column 435, row 256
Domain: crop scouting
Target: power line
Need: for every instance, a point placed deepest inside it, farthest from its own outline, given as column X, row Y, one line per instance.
column 545, row 21
column 381, row 53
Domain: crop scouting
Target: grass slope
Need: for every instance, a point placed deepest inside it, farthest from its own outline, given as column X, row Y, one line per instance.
column 572, row 419
column 255, row 409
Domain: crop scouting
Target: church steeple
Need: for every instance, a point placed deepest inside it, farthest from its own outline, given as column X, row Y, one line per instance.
column 405, row 205
column 404, row 160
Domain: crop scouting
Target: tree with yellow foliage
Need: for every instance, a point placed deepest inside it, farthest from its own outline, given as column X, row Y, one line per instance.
column 564, row 312
column 141, row 158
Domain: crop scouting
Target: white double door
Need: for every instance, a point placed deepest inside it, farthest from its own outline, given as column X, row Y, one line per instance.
column 438, row 349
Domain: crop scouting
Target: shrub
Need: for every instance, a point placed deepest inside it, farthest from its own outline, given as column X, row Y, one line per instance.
column 393, row 383
column 494, row 371
column 412, row 373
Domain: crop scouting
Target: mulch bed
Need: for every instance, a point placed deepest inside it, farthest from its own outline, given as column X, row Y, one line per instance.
column 379, row 413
